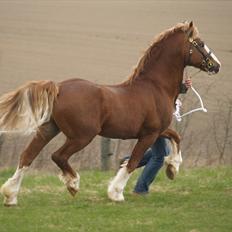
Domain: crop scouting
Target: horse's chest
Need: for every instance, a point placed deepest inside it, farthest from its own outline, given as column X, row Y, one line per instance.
column 158, row 118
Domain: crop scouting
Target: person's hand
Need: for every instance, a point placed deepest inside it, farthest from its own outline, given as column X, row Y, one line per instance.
column 188, row 83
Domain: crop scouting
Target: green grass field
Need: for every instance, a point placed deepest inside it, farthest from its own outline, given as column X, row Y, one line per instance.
column 199, row 200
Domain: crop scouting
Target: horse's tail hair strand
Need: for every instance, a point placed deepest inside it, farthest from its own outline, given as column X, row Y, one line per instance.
column 28, row 107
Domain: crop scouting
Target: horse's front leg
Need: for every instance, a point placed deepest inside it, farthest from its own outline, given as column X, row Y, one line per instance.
column 117, row 185
column 174, row 160
column 172, row 135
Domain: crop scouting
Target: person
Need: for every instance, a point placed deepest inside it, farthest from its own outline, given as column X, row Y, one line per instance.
column 153, row 158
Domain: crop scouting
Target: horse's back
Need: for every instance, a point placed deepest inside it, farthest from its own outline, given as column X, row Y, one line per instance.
column 78, row 92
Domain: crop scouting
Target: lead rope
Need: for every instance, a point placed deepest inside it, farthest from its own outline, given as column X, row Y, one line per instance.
column 15, row 131
column 179, row 104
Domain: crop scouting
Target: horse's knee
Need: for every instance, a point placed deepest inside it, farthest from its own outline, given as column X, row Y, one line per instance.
column 57, row 159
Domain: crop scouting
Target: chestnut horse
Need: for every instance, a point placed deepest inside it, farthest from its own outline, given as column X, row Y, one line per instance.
column 140, row 107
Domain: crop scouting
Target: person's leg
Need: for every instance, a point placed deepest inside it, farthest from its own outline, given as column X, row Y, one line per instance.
column 158, row 151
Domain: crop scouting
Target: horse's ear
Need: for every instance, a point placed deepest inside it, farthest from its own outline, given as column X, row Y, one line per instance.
column 191, row 24
column 190, row 30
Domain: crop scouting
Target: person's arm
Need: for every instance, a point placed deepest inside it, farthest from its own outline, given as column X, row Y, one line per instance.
column 185, row 86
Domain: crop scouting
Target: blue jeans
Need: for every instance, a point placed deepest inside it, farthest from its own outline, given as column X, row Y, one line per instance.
column 153, row 160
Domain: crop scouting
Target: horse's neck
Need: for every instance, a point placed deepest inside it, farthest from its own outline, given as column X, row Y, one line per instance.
column 168, row 78
column 167, row 71
column 164, row 67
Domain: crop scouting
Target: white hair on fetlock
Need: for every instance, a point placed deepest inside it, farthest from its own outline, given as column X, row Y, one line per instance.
column 69, row 181
column 117, row 185
column 12, row 186
column 175, row 157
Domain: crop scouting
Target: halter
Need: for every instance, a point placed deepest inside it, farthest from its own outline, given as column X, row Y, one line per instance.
column 206, row 62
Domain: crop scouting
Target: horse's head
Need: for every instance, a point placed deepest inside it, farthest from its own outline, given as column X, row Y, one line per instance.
column 197, row 52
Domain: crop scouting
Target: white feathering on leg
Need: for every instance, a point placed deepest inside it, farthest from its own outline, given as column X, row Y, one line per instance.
column 11, row 187
column 70, row 181
column 117, row 185
column 175, row 158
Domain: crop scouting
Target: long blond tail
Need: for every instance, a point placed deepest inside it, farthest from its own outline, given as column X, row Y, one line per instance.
column 28, row 107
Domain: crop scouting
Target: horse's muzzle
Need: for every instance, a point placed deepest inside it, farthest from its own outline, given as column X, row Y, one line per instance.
column 214, row 69
column 217, row 68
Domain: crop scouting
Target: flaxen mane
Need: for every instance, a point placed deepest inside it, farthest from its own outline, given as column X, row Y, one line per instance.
column 155, row 48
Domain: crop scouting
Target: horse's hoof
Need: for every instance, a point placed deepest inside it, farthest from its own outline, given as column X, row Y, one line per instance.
column 72, row 191
column 115, row 194
column 9, row 202
column 171, row 172
column 115, row 197
column 10, row 197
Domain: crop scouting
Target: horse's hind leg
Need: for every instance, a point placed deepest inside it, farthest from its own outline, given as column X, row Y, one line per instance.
column 70, row 178
column 11, row 187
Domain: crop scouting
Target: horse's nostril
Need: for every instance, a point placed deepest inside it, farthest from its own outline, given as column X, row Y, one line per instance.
column 216, row 69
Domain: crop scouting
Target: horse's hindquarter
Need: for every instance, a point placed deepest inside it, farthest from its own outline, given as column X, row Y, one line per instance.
column 78, row 108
